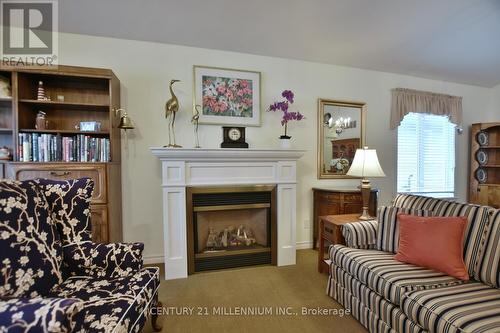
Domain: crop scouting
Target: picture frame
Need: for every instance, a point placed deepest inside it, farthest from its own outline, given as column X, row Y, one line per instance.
column 227, row 96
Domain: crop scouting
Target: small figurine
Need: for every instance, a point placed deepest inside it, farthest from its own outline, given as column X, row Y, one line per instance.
column 171, row 109
column 41, row 122
column 41, row 92
column 5, row 154
column 5, row 90
column 194, row 120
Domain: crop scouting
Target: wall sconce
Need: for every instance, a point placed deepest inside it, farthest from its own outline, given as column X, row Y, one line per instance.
column 125, row 121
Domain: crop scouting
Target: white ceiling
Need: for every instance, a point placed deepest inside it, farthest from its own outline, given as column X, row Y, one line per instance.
column 452, row 40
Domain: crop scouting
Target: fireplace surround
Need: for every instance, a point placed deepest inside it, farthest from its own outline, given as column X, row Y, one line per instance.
column 183, row 168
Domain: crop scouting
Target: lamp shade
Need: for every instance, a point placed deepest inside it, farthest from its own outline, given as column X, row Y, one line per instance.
column 365, row 164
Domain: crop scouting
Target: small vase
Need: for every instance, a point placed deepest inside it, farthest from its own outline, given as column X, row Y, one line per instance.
column 285, row 142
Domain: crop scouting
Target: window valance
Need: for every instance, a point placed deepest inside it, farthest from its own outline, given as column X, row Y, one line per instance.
column 405, row 101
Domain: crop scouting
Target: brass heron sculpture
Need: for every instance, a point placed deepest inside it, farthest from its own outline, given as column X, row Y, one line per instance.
column 194, row 120
column 171, row 109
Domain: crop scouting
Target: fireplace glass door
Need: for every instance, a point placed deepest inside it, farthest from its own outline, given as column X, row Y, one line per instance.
column 232, row 229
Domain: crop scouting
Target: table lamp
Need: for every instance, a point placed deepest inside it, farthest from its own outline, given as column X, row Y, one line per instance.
column 365, row 164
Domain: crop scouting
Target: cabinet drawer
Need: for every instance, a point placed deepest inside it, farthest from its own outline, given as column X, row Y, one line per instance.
column 99, row 221
column 331, row 197
column 356, row 198
column 62, row 171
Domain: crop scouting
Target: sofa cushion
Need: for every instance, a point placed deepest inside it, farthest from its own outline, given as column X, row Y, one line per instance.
column 470, row 307
column 30, row 249
column 35, row 315
column 488, row 268
column 478, row 217
column 102, row 260
column 403, row 200
column 388, row 226
column 114, row 305
column 385, row 275
column 69, row 203
column 382, row 308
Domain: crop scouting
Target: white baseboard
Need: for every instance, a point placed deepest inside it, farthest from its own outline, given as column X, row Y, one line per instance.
column 158, row 259
column 304, row 245
column 154, row 259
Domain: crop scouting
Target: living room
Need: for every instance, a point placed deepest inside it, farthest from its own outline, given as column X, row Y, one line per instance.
column 136, row 73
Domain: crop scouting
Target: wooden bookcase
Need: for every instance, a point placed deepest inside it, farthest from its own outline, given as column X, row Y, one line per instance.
column 484, row 186
column 89, row 94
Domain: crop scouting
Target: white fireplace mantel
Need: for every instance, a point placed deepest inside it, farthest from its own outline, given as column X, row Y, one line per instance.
column 211, row 167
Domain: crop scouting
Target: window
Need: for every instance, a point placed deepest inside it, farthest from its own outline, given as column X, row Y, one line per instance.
column 426, row 155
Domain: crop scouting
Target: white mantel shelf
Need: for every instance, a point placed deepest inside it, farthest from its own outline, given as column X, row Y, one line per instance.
column 185, row 167
column 226, row 154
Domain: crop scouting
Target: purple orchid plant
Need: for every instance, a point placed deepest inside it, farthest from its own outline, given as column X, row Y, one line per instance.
column 287, row 115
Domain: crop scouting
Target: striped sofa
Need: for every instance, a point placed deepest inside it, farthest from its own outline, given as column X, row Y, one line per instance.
column 386, row 295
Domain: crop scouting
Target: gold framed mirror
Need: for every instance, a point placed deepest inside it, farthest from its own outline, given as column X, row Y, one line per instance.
column 341, row 130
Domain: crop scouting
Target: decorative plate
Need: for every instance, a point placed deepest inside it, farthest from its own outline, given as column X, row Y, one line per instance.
column 482, row 157
column 482, row 138
column 481, row 175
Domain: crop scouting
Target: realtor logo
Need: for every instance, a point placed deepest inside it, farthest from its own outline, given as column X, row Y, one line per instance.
column 29, row 33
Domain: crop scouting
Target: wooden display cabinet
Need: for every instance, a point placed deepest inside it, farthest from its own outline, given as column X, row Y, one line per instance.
column 484, row 185
column 75, row 94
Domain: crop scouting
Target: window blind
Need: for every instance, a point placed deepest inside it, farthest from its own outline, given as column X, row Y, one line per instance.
column 426, row 155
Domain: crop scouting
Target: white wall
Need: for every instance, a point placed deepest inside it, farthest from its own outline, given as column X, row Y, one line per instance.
column 495, row 109
column 145, row 70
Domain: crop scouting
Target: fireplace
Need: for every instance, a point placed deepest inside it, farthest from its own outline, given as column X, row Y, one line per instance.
column 184, row 169
column 230, row 226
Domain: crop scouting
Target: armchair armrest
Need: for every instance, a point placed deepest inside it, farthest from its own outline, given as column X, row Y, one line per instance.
column 103, row 260
column 39, row 314
column 361, row 234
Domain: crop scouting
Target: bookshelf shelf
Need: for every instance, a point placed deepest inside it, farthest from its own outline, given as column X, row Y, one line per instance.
column 77, row 94
column 101, row 133
column 66, row 105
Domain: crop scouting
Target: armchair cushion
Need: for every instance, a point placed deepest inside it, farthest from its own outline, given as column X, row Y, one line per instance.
column 360, row 235
column 69, row 205
column 388, row 226
column 112, row 305
column 30, row 249
column 103, row 260
column 33, row 315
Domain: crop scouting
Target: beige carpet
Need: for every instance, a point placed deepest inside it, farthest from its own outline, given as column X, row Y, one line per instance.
column 262, row 288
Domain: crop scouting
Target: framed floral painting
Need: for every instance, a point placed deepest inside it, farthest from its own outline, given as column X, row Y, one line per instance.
column 227, row 96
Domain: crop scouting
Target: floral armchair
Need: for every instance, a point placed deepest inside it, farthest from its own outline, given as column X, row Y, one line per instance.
column 53, row 278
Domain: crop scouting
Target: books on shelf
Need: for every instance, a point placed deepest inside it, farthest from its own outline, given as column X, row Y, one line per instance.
column 40, row 147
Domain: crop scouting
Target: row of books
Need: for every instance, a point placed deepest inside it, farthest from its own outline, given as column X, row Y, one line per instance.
column 38, row 147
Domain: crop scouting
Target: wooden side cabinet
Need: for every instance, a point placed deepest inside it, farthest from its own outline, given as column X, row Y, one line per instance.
column 337, row 201
column 330, row 233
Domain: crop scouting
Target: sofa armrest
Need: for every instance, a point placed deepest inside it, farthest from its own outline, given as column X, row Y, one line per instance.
column 39, row 314
column 103, row 260
column 361, row 234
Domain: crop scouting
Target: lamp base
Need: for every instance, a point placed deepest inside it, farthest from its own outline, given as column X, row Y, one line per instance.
column 365, row 216
column 366, row 189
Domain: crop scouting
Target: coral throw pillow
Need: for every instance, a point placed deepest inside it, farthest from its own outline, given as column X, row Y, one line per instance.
column 433, row 242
